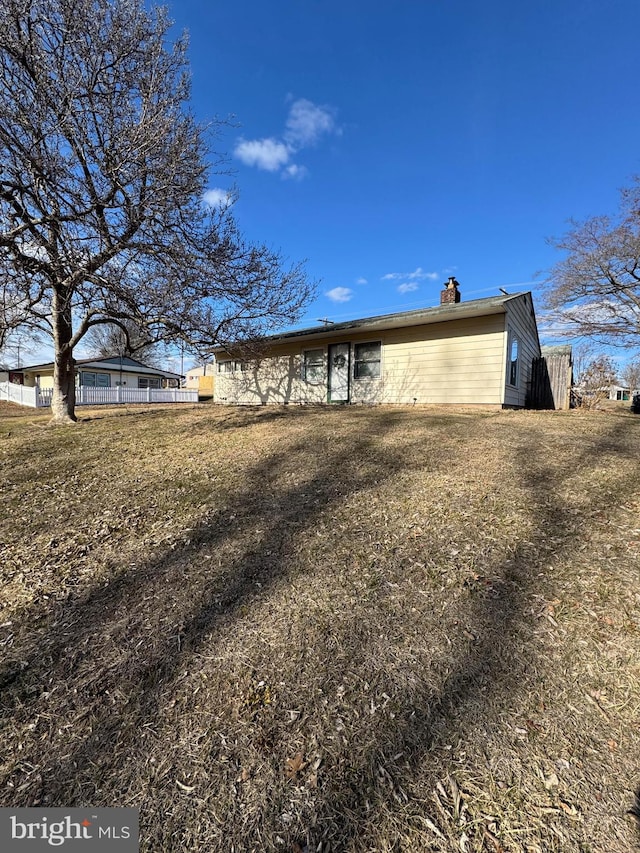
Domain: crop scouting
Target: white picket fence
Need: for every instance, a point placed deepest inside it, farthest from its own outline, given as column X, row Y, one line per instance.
column 85, row 396
column 21, row 394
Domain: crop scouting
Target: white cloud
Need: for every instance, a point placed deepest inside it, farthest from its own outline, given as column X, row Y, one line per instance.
column 217, row 197
column 268, row 154
column 340, row 294
column 307, row 122
column 361, row 281
column 407, row 287
column 417, row 275
column 305, row 125
column 297, row 173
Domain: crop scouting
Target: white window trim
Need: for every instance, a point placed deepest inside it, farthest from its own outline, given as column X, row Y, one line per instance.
column 511, row 339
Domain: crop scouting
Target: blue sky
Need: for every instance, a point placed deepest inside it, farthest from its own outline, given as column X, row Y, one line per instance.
column 394, row 144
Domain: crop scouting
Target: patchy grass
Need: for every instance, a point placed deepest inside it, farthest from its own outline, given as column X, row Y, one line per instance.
column 325, row 629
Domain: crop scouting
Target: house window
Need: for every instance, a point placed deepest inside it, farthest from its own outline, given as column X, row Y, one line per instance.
column 313, row 366
column 148, row 382
column 231, row 366
column 367, row 360
column 513, row 360
column 95, row 380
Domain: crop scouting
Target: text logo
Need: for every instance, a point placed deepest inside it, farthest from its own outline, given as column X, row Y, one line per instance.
column 36, row 830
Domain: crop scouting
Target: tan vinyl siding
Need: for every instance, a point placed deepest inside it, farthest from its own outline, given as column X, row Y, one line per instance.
column 274, row 379
column 458, row 361
column 453, row 362
column 46, row 381
column 520, row 321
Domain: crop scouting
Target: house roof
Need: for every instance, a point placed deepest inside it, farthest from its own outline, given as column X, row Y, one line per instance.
column 421, row 316
column 114, row 362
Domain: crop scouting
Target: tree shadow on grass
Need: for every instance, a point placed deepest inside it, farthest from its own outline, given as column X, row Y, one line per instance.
column 492, row 666
column 131, row 637
column 114, row 657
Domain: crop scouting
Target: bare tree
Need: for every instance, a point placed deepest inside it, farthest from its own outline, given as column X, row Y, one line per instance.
column 582, row 354
column 126, row 339
column 596, row 381
column 16, row 347
column 102, row 175
column 595, row 290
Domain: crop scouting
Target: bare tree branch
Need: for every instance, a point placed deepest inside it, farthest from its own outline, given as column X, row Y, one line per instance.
column 102, row 174
column 594, row 291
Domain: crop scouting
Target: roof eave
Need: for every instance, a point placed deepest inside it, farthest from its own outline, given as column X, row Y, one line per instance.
column 421, row 317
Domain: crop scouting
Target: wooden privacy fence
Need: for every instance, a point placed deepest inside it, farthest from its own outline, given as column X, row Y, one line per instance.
column 551, row 379
column 85, row 396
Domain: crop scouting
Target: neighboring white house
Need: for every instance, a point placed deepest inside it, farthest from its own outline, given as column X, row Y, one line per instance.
column 111, row 372
column 476, row 352
column 201, row 378
column 99, row 381
column 622, row 392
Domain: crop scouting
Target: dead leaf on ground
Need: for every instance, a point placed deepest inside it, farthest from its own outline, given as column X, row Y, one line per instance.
column 496, row 843
column 295, row 765
column 568, row 809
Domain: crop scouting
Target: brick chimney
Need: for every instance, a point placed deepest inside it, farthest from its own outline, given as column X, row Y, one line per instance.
column 450, row 295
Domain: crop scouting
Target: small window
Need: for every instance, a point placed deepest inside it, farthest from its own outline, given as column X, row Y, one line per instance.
column 313, row 366
column 95, row 380
column 231, row 366
column 148, row 382
column 367, row 360
column 513, row 361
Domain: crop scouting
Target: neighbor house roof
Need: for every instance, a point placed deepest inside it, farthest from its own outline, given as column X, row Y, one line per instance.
column 114, row 362
column 419, row 317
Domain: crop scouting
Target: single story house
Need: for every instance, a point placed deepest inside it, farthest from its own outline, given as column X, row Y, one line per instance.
column 622, row 392
column 111, row 372
column 475, row 352
column 201, row 378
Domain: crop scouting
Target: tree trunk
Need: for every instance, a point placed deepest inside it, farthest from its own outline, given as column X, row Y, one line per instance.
column 63, row 400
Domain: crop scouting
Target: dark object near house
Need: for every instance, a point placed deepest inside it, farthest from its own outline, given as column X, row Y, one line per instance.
column 635, row 404
column 551, row 379
column 635, row 808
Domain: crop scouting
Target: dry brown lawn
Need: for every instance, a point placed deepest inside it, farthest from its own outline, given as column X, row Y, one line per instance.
column 332, row 629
